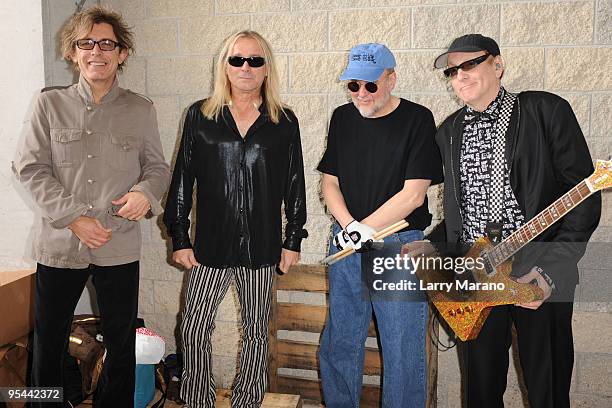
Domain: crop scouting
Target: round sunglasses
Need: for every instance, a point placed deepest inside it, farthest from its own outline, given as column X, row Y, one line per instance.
column 254, row 62
column 354, row 86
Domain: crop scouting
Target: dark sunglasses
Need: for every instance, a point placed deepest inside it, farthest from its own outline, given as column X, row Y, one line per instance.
column 105, row 45
column 354, row 86
column 254, row 62
column 465, row 66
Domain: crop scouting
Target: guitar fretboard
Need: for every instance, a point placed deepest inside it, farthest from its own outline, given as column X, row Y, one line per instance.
column 538, row 224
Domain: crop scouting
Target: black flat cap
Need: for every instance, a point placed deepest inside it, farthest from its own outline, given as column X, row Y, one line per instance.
column 468, row 43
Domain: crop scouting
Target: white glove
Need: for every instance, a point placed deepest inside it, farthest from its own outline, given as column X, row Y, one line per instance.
column 341, row 240
column 362, row 237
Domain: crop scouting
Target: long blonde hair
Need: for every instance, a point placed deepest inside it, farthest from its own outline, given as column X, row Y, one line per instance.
column 222, row 93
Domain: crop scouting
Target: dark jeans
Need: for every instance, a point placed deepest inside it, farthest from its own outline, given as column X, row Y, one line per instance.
column 546, row 354
column 57, row 293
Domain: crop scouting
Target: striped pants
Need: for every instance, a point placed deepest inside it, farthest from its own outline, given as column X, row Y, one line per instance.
column 206, row 289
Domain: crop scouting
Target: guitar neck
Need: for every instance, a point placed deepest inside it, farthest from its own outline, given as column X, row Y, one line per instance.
column 540, row 223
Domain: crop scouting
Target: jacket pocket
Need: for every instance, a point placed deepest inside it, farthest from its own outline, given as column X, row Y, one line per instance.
column 66, row 146
column 125, row 150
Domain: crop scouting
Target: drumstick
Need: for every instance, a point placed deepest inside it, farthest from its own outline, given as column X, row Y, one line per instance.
column 383, row 233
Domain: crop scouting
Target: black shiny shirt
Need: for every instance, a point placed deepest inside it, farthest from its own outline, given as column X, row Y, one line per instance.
column 241, row 186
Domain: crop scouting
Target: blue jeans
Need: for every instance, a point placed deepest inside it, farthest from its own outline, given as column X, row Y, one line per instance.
column 401, row 328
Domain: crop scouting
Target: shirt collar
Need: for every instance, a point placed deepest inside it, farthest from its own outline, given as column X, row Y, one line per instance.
column 488, row 115
column 84, row 90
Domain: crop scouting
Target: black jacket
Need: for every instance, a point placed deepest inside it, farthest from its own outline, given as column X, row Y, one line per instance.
column 548, row 156
column 242, row 184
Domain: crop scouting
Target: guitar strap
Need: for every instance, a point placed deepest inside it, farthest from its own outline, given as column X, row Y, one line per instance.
column 497, row 170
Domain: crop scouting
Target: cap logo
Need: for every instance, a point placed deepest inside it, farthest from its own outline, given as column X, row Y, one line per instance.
column 364, row 58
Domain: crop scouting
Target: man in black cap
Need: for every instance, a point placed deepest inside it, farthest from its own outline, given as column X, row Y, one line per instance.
column 521, row 152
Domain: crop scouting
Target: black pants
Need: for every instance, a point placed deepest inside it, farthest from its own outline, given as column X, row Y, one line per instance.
column 57, row 293
column 546, row 354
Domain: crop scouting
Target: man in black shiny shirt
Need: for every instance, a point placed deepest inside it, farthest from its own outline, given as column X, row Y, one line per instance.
column 242, row 146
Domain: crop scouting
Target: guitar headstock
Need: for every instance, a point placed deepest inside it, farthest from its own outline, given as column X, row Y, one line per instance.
column 602, row 176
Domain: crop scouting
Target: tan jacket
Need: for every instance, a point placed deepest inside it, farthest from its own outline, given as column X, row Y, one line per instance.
column 76, row 157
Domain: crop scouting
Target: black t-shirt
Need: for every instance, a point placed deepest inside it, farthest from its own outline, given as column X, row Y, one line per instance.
column 373, row 157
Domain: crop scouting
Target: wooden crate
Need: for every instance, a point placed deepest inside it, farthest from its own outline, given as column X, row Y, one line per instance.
column 271, row 400
column 301, row 355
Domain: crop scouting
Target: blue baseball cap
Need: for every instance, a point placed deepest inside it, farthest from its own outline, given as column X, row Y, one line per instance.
column 367, row 62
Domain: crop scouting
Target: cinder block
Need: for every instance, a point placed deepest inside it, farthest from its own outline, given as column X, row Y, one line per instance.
column 313, row 147
column 339, row 99
column 314, row 202
column 225, row 338
column 415, row 73
column 170, row 139
column 547, row 23
column 282, row 66
column 601, row 118
column 281, row 29
column 167, row 326
column 311, row 111
column 524, row 69
column 252, row 6
column 179, row 8
column 594, row 373
column 145, row 297
column 592, row 332
column 388, row 26
column 598, row 255
column 167, row 297
column 224, row 370
column 380, row 3
column 595, row 285
column 317, row 73
column 441, row 105
column 586, row 74
column 600, row 147
column 229, row 308
column 179, row 75
column 589, row 401
column 154, row 264
column 602, row 234
column 606, row 209
column 131, row 10
column 603, row 25
column 134, row 75
column 156, row 37
column 449, row 22
column 581, row 105
column 318, row 227
column 434, row 197
column 312, row 257
column 307, row 5
column 205, row 34
column 167, row 111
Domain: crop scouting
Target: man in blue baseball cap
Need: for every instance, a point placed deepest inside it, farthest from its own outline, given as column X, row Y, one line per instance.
column 380, row 160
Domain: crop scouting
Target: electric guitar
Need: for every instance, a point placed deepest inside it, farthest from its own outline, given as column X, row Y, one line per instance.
column 492, row 272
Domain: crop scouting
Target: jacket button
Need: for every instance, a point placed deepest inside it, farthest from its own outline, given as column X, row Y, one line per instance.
column 89, row 132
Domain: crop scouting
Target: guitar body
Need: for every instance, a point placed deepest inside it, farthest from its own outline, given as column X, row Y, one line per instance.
column 466, row 310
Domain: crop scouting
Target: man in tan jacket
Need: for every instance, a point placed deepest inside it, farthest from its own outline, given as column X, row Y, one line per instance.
column 92, row 160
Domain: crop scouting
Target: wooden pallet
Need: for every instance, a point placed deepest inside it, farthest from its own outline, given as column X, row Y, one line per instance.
column 301, row 355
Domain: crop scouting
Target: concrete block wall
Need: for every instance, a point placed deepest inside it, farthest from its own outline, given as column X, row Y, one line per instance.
column 561, row 46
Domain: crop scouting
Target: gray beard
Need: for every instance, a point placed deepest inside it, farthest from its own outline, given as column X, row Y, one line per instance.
column 374, row 110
